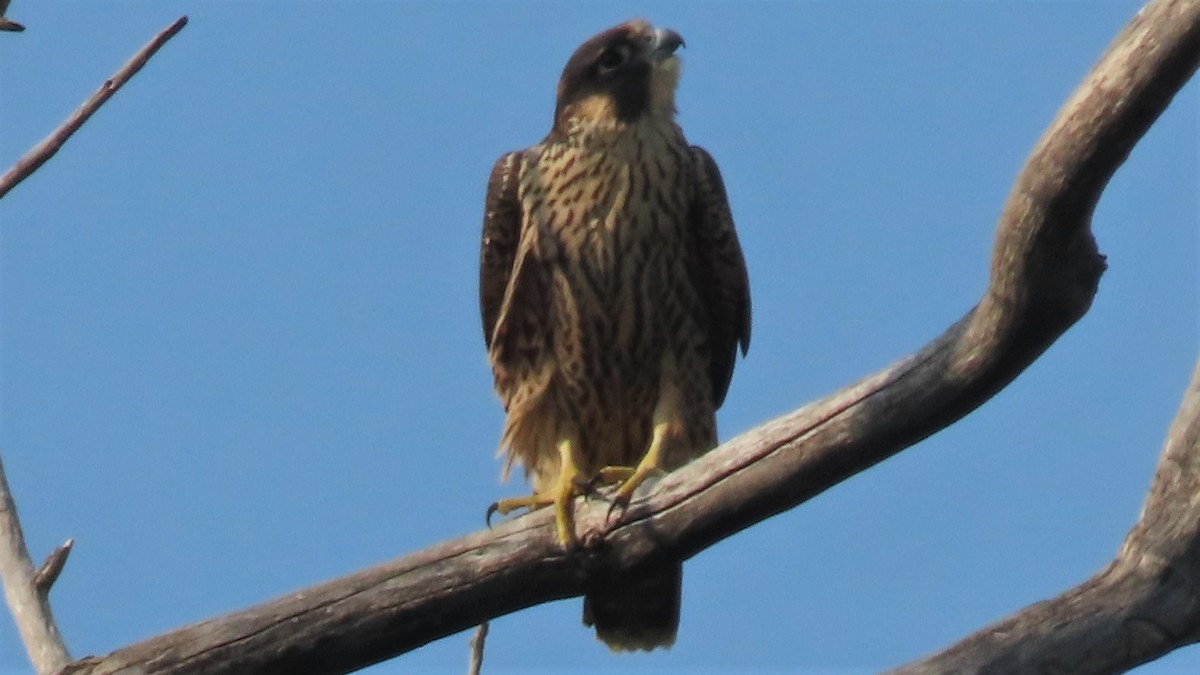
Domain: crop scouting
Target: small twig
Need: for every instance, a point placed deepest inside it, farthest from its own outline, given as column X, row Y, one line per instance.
column 51, row 145
column 52, row 567
column 30, row 607
column 7, row 23
column 477, row 649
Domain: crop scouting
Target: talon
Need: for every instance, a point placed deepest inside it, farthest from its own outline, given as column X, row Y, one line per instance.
column 506, row 506
column 561, row 494
column 618, row 500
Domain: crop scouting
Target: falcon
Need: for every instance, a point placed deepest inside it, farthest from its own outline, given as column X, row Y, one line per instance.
column 614, row 299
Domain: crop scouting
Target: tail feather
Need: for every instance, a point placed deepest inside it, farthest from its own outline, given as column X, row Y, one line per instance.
column 637, row 611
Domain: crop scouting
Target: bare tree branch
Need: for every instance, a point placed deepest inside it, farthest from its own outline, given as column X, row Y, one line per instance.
column 1045, row 268
column 26, row 590
column 29, row 604
column 1146, row 602
column 51, row 145
column 1143, row 605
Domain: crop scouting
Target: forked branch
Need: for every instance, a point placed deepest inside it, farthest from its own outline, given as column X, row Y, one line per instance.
column 1045, row 268
column 27, row 600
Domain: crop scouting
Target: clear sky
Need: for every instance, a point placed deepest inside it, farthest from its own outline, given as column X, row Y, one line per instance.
column 240, row 347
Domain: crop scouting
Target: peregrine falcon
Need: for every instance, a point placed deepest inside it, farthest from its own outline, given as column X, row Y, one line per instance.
column 614, row 299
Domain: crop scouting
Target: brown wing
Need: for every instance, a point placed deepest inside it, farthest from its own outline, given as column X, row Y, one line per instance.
column 720, row 273
column 513, row 288
column 501, row 234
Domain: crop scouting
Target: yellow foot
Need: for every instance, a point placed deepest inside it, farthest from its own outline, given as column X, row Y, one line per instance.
column 609, row 475
column 613, row 475
column 568, row 486
column 632, row 478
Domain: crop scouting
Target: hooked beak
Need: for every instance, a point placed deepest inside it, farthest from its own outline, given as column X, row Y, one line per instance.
column 664, row 42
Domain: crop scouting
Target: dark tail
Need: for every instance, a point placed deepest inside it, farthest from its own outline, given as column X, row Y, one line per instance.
column 639, row 610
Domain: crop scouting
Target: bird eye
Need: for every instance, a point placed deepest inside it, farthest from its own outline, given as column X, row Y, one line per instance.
column 610, row 60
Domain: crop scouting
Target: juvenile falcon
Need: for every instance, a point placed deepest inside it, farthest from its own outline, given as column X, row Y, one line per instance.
column 614, row 298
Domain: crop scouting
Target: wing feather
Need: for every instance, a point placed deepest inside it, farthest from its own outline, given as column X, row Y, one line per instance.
column 501, row 235
column 721, row 273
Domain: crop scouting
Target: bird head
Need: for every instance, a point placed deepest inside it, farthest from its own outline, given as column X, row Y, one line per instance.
column 618, row 77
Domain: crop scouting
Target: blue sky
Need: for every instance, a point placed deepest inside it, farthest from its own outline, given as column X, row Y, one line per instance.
column 240, row 350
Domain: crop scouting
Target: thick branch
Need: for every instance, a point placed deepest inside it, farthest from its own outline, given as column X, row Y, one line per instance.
column 1143, row 605
column 51, row 145
column 1045, row 269
column 29, row 604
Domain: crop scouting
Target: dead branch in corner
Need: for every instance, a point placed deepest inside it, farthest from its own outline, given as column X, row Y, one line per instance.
column 51, row 145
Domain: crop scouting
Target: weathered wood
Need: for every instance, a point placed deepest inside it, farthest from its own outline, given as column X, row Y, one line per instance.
column 368, row 616
column 1045, row 268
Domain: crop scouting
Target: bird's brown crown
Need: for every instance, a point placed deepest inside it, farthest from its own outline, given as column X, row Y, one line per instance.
column 619, row 76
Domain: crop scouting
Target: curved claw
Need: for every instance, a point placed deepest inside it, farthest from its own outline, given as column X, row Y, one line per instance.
column 491, row 510
column 618, row 500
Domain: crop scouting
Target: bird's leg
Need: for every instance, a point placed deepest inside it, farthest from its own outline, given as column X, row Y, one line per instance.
column 631, row 478
column 667, row 426
column 562, row 496
column 565, row 493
